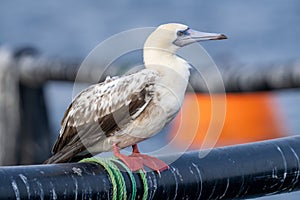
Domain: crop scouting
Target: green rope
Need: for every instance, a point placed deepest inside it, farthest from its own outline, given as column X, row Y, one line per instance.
column 117, row 179
column 145, row 184
column 132, row 179
column 120, row 179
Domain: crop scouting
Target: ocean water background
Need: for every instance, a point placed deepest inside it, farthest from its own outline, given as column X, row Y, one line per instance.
column 260, row 33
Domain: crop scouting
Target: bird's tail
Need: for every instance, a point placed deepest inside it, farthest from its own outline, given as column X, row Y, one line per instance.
column 56, row 158
column 67, row 154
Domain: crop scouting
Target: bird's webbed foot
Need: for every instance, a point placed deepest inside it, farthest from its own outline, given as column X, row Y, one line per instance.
column 137, row 161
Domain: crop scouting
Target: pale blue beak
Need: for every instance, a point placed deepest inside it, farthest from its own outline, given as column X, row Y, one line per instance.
column 190, row 36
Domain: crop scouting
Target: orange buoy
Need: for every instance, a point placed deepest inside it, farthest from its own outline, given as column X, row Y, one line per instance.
column 219, row 120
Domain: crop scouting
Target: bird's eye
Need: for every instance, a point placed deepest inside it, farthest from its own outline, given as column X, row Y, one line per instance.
column 180, row 33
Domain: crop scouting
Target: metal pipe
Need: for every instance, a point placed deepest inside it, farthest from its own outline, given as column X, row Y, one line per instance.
column 241, row 171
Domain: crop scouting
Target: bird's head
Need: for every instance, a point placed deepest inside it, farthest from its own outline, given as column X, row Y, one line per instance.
column 170, row 37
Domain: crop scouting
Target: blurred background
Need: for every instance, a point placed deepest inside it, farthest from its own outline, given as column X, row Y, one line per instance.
column 262, row 35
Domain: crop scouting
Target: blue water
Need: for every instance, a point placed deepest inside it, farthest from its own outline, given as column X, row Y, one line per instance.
column 260, row 32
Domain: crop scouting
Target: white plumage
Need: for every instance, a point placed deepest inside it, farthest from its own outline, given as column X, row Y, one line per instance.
column 122, row 111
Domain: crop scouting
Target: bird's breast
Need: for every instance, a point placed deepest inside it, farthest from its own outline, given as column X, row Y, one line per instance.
column 168, row 100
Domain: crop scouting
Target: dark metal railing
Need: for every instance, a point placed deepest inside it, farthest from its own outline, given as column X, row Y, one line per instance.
column 235, row 172
column 236, row 78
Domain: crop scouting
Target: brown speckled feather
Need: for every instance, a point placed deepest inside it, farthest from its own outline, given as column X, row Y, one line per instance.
column 101, row 110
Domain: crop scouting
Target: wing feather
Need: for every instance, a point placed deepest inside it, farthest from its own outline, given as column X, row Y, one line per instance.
column 110, row 105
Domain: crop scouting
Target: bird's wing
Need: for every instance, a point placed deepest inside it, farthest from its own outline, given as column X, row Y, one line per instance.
column 101, row 109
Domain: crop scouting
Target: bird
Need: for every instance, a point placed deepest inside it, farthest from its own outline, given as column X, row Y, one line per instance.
column 123, row 111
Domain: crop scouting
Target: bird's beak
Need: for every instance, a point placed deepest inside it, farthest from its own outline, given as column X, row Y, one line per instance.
column 201, row 36
column 191, row 36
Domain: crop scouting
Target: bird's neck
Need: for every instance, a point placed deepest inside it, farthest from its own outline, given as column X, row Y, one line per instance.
column 173, row 70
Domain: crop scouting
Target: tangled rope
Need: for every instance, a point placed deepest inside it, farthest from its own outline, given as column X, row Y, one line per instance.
column 117, row 179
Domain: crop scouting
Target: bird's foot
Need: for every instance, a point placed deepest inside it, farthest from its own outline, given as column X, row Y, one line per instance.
column 151, row 162
column 136, row 160
column 133, row 163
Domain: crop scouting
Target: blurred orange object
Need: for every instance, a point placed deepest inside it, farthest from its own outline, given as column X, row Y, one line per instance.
column 242, row 118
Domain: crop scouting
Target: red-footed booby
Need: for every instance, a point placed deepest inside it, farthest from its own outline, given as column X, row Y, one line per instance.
column 123, row 111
